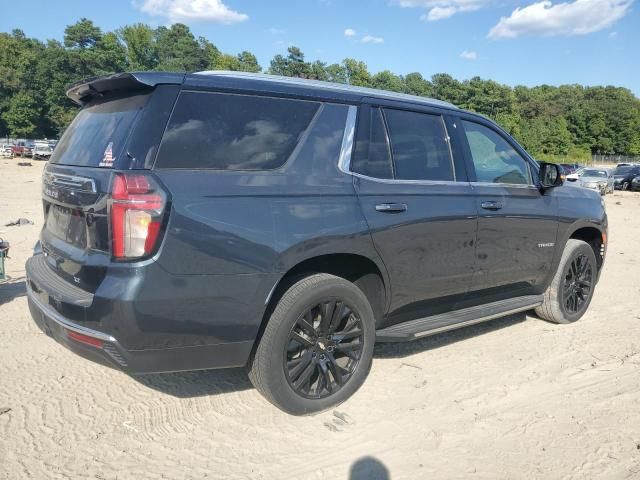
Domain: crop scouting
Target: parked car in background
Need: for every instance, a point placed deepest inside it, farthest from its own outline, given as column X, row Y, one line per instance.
column 22, row 149
column 6, row 150
column 635, row 184
column 570, row 168
column 42, row 150
column 624, row 175
column 575, row 176
column 224, row 219
column 599, row 179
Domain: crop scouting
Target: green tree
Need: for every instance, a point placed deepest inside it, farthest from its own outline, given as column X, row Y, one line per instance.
column 139, row 42
column 22, row 116
column 82, row 34
column 178, row 50
column 357, row 73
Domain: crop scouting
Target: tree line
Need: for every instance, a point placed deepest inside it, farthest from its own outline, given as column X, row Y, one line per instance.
column 550, row 122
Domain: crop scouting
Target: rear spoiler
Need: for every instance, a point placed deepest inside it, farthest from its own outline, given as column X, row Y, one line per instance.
column 86, row 90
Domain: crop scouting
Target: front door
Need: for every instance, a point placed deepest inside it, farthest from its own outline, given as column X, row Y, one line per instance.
column 517, row 222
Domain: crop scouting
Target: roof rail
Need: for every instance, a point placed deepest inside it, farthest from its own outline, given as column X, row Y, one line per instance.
column 330, row 86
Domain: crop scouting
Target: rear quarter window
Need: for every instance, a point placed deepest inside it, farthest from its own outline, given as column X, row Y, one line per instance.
column 222, row 131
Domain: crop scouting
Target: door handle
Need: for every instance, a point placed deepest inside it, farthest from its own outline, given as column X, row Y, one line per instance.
column 391, row 207
column 491, row 205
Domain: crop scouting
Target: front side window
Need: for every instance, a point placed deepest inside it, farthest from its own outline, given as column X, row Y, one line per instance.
column 233, row 132
column 494, row 159
column 419, row 146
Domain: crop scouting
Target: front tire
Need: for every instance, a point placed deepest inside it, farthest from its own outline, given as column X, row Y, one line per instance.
column 317, row 346
column 571, row 290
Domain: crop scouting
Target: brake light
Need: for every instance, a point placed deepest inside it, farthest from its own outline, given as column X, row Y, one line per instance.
column 137, row 209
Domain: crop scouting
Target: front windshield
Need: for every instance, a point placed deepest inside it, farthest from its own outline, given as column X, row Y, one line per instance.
column 595, row 173
column 623, row 170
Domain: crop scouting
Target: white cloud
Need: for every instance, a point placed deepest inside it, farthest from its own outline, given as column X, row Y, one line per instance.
column 192, row 10
column 371, row 39
column 571, row 18
column 275, row 31
column 441, row 9
column 469, row 55
column 349, row 32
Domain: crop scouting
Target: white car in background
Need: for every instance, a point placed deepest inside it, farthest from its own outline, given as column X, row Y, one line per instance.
column 42, row 150
column 5, row 150
column 575, row 176
column 599, row 179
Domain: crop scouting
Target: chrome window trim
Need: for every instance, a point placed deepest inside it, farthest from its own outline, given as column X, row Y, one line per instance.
column 505, row 185
column 447, row 139
column 393, row 181
column 344, row 161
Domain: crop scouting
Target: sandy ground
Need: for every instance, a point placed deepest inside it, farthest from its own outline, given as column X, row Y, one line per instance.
column 514, row 398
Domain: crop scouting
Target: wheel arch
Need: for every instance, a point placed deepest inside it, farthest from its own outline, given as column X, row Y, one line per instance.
column 595, row 237
column 364, row 272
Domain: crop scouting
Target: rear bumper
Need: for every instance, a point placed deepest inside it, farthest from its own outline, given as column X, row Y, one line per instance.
column 45, row 298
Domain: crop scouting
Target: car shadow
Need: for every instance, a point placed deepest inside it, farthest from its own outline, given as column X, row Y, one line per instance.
column 216, row 382
column 11, row 289
column 197, row 383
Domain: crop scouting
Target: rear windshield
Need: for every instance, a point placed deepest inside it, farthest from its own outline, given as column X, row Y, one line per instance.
column 97, row 135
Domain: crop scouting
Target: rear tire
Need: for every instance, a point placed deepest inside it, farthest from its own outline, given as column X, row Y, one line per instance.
column 571, row 290
column 317, row 346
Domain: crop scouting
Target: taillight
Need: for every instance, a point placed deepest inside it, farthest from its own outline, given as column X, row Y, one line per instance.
column 137, row 209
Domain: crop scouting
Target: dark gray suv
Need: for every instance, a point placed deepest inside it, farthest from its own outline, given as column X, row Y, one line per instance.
column 222, row 219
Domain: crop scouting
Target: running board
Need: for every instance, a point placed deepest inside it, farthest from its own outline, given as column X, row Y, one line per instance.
column 423, row 327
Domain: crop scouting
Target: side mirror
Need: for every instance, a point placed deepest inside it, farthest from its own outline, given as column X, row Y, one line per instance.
column 550, row 175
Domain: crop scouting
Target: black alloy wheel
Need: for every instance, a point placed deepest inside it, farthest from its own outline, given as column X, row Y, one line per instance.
column 578, row 284
column 323, row 350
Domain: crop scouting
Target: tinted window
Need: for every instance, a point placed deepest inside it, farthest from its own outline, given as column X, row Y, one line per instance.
column 233, row 132
column 494, row 159
column 419, row 146
column 372, row 156
column 98, row 133
column 318, row 155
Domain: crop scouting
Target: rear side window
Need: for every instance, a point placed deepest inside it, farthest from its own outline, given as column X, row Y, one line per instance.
column 97, row 136
column 372, row 156
column 494, row 159
column 233, row 132
column 419, row 146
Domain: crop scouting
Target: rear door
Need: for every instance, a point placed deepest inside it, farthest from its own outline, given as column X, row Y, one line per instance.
column 517, row 222
column 419, row 207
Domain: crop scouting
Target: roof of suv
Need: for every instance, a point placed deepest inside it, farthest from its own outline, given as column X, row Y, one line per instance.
column 328, row 87
column 85, row 90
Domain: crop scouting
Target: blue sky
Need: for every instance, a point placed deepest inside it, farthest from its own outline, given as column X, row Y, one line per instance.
column 592, row 42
